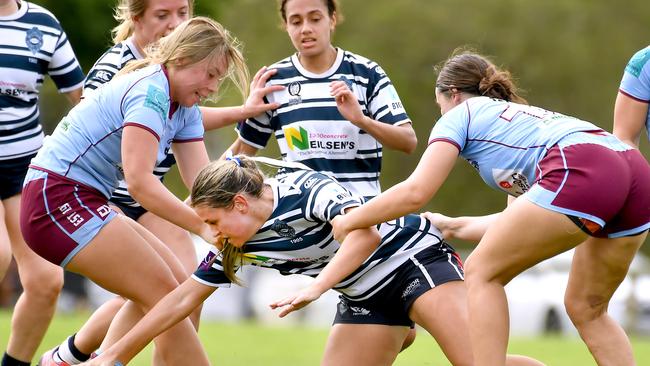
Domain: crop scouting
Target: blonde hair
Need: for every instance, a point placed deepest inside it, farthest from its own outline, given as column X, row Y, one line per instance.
column 126, row 10
column 216, row 187
column 195, row 40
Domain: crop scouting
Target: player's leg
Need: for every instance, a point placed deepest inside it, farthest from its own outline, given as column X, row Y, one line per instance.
column 179, row 242
column 5, row 244
column 42, row 282
column 442, row 311
column 523, row 235
column 132, row 268
column 363, row 344
column 598, row 267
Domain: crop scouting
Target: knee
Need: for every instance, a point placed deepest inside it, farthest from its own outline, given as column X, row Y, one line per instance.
column 43, row 283
column 586, row 309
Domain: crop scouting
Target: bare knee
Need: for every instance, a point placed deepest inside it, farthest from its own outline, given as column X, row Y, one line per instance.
column 43, row 283
column 584, row 310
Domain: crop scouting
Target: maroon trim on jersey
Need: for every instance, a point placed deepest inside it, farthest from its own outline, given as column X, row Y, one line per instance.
column 182, row 141
column 146, row 128
column 444, row 139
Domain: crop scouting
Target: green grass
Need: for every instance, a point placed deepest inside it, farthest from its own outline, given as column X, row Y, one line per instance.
column 233, row 344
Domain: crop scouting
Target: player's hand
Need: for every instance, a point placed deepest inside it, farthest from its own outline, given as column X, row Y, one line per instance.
column 209, row 236
column 440, row 221
column 339, row 228
column 347, row 103
column 255, row 104
column 296, row 302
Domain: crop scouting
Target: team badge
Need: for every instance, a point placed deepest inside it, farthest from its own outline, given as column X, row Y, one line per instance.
column 283, row 229
column 34, row 40
column 294, row 89
column 208, row 261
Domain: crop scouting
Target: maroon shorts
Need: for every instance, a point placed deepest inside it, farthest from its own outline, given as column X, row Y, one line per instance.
column 59, row 216
column 604, row 190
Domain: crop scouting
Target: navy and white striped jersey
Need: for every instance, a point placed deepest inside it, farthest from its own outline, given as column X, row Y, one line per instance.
column 297, row 237
column 32, row 44
column 112, row 61
column 310, row 129
column 109, row 64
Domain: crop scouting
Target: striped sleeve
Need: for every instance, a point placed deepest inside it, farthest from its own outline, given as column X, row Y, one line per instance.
column 64, row 68
column 327, row 199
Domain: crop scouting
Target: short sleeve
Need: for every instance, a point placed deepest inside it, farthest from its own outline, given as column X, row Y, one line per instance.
column 256, row 131
column 452, row 127
column 384, row 104
column 327, row 199
column 210, row 271
column 192, row 129
column 146, row 105
column 636, row 78
column 64, row 69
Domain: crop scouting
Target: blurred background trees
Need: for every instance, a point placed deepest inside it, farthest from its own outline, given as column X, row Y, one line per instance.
column 567, row 55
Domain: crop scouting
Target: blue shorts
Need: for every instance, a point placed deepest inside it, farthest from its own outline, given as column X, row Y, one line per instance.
column 59, row 216
column 12, row 174
column 424, row 271
column 602, row 184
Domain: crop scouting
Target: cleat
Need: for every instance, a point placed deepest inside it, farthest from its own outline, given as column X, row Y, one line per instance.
column 48, row 359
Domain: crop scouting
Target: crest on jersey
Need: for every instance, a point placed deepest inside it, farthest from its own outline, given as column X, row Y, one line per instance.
column 283, row 229
column 34, row 40
column 294, row 89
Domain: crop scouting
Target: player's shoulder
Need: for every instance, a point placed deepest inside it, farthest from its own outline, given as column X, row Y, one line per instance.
column 639, row 62
column 39, row 15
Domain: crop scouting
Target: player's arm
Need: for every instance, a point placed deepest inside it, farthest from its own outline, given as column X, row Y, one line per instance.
column 239, row 147
column 401, row 137
column 629, row 119
column 469, row 228
column 191, row 158
column 169, row 311
column 74, row 96
column 139, row 149
column 406, row 197
column 356, row 248
column 255, row 104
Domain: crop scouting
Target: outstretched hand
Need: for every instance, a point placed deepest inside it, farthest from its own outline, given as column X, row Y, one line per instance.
column 296, row 302
column 255, row 104
column 441, row 222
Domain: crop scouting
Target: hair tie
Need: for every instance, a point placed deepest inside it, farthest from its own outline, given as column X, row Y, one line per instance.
column 235, row 159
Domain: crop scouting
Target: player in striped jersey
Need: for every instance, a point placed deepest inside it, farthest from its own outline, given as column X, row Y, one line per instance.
column 32, row 45
column 389, row 276
column 337, row 109
column 631, row 112
column 578, row 186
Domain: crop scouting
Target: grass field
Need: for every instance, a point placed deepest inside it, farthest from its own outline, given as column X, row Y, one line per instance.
column 235, row 344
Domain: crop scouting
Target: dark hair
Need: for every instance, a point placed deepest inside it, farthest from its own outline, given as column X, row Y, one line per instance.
column 472, row 73
column 216, row 186
column 332, row 7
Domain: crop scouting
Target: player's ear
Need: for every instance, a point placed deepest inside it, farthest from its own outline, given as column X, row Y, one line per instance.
column 240, row 203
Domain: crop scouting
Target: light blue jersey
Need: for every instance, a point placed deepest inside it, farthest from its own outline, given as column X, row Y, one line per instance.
column 310, row 129
column 504, row 140
column 636, row 80
column 86, row 145
column 297, row 238
column 32, row 45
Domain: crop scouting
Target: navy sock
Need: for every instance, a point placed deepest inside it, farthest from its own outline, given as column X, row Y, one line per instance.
column 10, row 361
